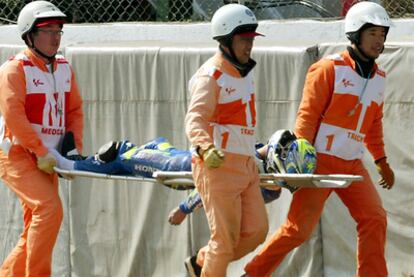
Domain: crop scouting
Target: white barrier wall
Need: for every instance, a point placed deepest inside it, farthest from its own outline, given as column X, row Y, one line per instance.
column 137, row 90
column 309, row 31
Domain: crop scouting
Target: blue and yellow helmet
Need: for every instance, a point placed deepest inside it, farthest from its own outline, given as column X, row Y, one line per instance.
column 301, row 157
column 287, row 154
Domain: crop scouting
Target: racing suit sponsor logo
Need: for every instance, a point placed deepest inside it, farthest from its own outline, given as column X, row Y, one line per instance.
column 347, row 83
column 245, row 131
column 52, row 131
column 144, row 168
column 355, row 137
column 230, row 90
column 37, row 82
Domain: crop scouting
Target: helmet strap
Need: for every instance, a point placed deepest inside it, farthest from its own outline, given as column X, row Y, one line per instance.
column 358, row 46
column 243, row 69
column 355, row 39
column 49, row 58
column 30, row 43
column 228, row 42
column 364, row 68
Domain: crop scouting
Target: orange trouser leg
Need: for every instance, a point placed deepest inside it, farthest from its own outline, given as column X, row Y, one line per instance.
column 42, row 211
column 15, row 263
column 253, row 213
column 304, row 214
column 365, row 206
column 235, row 212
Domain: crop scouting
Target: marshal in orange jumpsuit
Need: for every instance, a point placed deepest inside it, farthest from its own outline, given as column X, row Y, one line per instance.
column 37, row 108
column 222, row 113
column 340, row 112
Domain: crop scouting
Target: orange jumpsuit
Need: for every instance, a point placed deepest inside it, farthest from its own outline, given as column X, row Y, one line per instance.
column 222, row 113
column 37, row 108
column 340, row 112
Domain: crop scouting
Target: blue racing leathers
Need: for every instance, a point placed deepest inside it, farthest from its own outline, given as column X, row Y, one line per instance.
column 156, row 155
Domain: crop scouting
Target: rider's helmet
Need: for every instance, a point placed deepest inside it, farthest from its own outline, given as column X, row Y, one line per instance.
column 300, row 158
column 287, row 154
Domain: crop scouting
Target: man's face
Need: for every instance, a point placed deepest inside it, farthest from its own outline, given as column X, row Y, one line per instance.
column 47, row 39
column 372, row 41
column 242, row 47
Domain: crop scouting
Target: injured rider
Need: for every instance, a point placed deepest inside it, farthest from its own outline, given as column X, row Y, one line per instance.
column 283, row 153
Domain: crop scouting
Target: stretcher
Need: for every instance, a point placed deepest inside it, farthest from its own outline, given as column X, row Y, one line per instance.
column 185, row 179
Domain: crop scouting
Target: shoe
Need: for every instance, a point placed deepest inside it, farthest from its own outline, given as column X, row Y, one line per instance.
column 193, row 269
column 108, row 152
column 68, row 148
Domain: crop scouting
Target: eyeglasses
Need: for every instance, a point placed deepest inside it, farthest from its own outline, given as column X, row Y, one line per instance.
column 51, row 32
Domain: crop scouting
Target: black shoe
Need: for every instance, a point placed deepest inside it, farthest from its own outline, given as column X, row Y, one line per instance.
column 193, row 269
column 109, row 151
column 68, row 148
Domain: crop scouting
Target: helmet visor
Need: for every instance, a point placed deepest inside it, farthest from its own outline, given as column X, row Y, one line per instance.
column 50, row 21
column 247, row 31
column 250, row 34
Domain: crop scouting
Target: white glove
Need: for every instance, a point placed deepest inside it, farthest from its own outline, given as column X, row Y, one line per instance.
column 46, row 163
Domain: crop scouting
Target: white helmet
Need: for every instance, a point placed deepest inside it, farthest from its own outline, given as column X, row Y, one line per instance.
column 35, row 11
column 366, row 13
column 231, row 19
